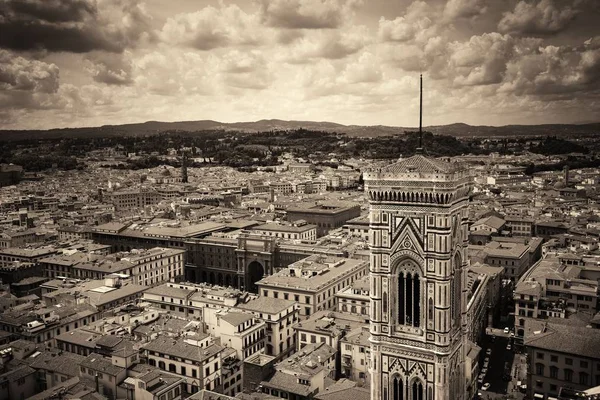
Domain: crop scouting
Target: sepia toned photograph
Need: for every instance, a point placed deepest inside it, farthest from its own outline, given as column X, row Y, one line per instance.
column 300, row 199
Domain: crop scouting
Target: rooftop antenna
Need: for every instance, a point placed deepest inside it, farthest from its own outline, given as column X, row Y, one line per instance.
column 420, row 148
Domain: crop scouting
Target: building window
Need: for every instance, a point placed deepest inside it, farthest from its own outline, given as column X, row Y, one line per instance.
column 397, row 388
column 554, row 358
column 409, row 296
column 583, row 378
column 540, row 356
column 569, row 361
column 583, row 364
column 568, row 375
column 553, row 372
column 539, row 369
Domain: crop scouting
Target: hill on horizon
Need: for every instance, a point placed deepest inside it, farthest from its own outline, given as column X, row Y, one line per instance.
column 265, row 125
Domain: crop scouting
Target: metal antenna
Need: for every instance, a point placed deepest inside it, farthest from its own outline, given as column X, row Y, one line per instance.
column 421, row 113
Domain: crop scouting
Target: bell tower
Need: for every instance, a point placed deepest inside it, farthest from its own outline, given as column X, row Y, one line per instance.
column 418, row 241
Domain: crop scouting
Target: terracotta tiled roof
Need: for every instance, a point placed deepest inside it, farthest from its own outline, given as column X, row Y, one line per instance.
column 420, row 163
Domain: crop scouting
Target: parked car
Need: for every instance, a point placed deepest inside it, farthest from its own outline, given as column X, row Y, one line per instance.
column 485, row 386
column 484, row 371
column 486, row 364
column 508, row 347
column 506, row 330
column 488, row 352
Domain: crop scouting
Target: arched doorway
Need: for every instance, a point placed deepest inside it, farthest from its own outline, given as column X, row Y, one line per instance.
column 256, row 271
column 211, row 278
column 227, row 280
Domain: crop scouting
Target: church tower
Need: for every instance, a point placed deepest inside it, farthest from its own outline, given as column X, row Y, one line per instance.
column 184, row 165
column 418, row 241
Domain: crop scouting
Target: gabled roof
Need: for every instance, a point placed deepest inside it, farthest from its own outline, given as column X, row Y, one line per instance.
column 344, row 389
column 491, row 221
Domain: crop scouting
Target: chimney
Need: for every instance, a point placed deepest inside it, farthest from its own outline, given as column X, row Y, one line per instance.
column 97, row 383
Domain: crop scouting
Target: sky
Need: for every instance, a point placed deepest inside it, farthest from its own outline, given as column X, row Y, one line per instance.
column 73, row 63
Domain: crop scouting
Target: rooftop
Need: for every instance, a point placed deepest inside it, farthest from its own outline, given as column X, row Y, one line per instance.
column 563, row 337
column 420, row 163
column 313, row 272
column 180, row 348
column 267, row 305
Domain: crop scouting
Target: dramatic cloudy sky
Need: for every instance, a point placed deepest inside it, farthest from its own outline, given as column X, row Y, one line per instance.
column 93, row 62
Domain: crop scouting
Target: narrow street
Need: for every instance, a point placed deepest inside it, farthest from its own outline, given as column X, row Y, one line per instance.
column 499, row 359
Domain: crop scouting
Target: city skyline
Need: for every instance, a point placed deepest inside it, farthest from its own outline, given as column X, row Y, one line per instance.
column 84, row 63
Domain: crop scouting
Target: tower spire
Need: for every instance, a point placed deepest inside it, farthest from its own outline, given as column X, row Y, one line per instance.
column 420, row 148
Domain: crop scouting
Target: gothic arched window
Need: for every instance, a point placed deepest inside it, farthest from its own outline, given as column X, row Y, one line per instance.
column 408, row 295
column 397, row 388
column 417, row 390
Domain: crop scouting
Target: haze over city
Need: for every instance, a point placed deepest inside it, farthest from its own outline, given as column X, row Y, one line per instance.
column 90, row 63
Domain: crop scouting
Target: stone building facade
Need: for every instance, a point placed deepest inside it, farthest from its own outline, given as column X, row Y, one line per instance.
column 418, row 240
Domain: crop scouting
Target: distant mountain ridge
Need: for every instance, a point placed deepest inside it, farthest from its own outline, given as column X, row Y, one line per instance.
column 153, row 127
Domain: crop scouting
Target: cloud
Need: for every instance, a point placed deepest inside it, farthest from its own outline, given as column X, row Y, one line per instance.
column 77, row 26
column 554, row 71
column 327, row 44
column 175, row 72
column 212, row 28
column 20, row 74
column 111, row 68
column 247, row 70
column 464, row 8
column 32, row 86
column 482, row 60
column 305, row 14
column 537, row 18
column 416, row 24
column 53, row 10
column 366, row 69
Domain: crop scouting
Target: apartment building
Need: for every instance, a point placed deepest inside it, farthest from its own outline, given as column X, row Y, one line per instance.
column 561, row 353
column 155, row 385
column 325, row 215
column 552, row 289
column 327, row 327
column 193, row 299
column 145, row 267
column 355, row 298
column 132, row 199
column 24, row 255
column 238, row 330
column 41, row 324
column 313, row 281
column 197, row 358
column 299, row 230
column 355, row 355
column 303, row 375
column 520, row 225
column 280, row 315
